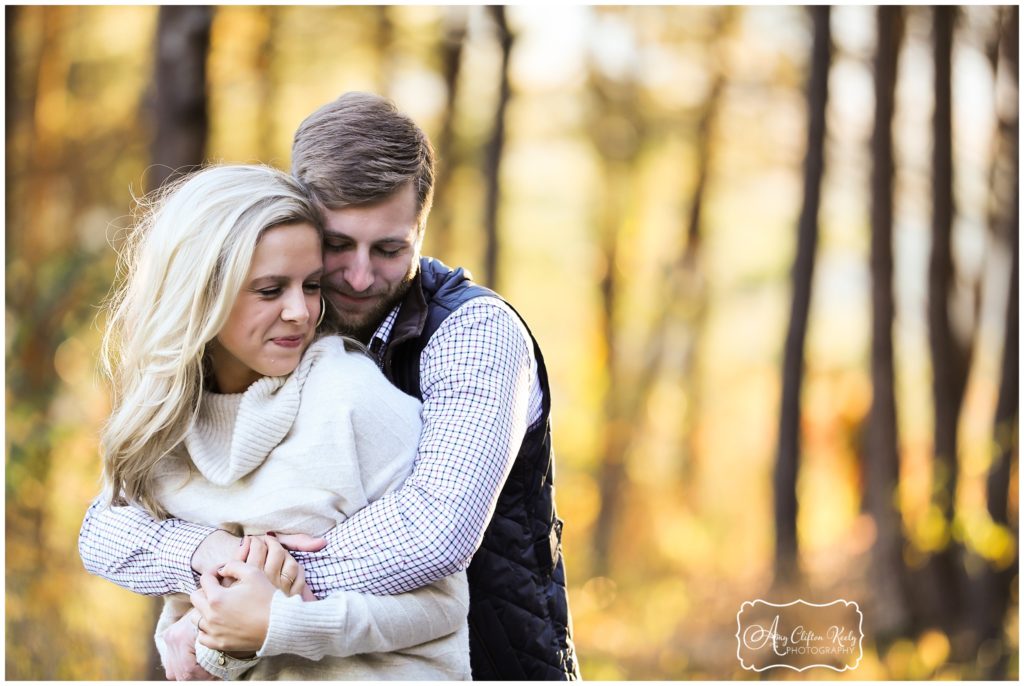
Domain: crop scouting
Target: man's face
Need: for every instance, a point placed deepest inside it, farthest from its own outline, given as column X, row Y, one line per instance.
column 371, row 253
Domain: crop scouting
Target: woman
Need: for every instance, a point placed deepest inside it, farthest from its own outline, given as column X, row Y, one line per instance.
column 228, row 410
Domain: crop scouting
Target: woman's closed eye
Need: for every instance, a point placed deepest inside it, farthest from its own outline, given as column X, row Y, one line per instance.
column 269, row 292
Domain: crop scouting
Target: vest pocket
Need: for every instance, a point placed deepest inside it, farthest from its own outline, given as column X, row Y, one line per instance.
column 548, row 549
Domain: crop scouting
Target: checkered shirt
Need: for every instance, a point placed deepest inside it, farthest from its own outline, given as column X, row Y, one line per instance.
column 478, row 377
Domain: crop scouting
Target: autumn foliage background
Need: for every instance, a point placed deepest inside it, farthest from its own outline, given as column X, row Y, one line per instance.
column 633, row 180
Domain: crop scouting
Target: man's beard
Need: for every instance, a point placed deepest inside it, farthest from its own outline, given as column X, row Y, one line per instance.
column 362, row 326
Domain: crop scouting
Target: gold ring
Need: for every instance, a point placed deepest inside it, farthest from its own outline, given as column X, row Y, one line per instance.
column 287, row 578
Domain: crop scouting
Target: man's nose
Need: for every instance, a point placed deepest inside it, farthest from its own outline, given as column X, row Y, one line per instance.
column 359, row 274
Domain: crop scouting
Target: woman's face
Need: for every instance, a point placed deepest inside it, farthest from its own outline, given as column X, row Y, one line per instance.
column 275, row 314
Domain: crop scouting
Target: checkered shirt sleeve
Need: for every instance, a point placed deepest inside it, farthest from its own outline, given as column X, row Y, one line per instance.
column 480, row 390
column 148, row 556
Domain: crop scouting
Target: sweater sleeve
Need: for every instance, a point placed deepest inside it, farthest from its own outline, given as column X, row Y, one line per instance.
column 221, row 665
column 348, row 623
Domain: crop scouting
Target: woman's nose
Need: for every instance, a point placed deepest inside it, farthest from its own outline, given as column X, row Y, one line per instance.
column 295, row 308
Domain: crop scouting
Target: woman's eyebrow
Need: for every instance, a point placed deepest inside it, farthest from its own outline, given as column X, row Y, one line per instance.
column 281, row 277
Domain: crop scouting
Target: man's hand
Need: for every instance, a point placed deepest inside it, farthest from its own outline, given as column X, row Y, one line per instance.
column 214, row 551
column 180, row 639
column 220, row 547
column 235, row 618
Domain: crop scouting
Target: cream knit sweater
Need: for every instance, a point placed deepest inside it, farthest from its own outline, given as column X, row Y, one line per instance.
column 300, row 454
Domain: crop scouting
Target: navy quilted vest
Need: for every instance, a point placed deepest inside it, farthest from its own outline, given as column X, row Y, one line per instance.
column 519, row 620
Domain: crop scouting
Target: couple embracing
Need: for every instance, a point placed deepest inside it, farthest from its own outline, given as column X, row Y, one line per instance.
column 331, row 455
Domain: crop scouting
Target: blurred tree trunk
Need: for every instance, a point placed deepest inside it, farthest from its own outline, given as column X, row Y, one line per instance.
column 787, row 464
column 182, row 125
column 991, row 589
column 385, row 63
column 693, row 291
column 32, row 337
column 51, row 273
column 888, row 574
column 618, row 135
column 42, row 303
column 616, row 131
column 19, row 100
column 943, row 582
column 452, row 38
column 996, row 581
column 611, row 475
column 10, row 91
column 493, row 155
column 1007, row 407
column 270, row 15
column 182, row 121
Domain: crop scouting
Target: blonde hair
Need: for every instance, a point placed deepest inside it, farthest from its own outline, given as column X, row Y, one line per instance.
column 180, row 271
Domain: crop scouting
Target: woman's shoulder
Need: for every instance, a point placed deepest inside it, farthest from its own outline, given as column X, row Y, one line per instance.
column 338, row 372
column 332, row 353
column 330, row 362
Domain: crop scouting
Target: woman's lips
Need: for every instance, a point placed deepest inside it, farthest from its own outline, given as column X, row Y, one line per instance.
column 288, row 341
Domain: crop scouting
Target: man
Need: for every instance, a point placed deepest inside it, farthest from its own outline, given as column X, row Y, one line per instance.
column 481, row 492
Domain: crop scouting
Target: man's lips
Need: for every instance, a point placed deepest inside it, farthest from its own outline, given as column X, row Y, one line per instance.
column 356, row 299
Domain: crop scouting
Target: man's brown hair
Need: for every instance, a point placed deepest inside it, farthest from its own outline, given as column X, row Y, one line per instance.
column 361, row 149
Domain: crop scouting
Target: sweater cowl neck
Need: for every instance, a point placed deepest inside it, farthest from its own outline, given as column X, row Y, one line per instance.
column 235, row 432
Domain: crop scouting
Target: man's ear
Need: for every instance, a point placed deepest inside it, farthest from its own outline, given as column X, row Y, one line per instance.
column 421, row 231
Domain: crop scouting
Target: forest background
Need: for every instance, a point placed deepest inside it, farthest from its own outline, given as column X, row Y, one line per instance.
column 771, row 254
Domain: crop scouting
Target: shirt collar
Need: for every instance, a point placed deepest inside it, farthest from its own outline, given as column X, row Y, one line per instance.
column 383, row 332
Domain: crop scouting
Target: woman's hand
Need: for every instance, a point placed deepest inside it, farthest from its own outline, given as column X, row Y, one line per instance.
column 180, row 639
column 234, row 618
column 280, row 568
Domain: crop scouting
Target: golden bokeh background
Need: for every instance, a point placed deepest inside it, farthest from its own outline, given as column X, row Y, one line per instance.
column 666, row 380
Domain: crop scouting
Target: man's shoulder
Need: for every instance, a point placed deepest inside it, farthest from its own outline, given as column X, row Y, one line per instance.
column 486, row 305
column 448, row 287
column 481, row 311
column 486, row 323
column 465, row 313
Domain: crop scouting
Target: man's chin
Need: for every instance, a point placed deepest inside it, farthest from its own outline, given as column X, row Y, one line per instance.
column 360, row 329
column 362, row 325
